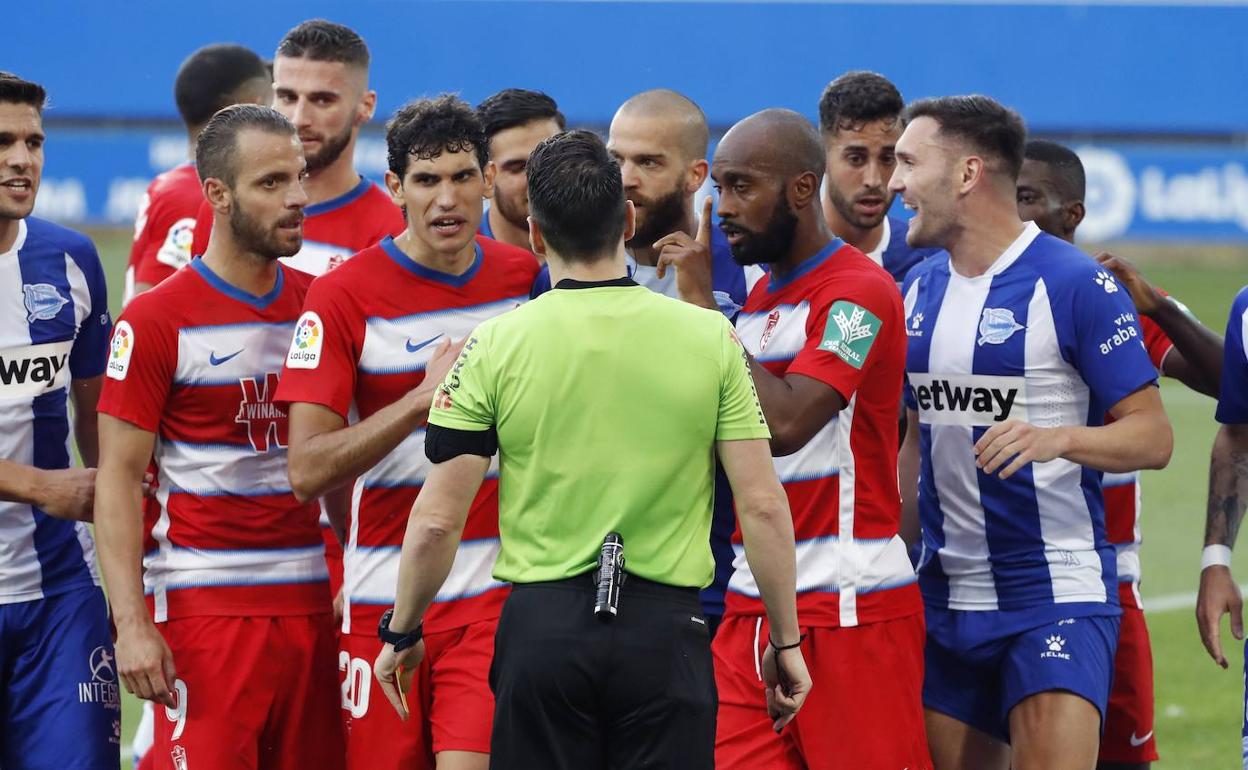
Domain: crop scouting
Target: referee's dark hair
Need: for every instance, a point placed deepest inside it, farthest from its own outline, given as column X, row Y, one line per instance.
column 1064, row 163
column 513, row 107
column 15, row 90
column 993, row 130
column 209, row 79
column 576, row 196
column 856, row 99
column 321, row 40
column 218, row 141
column 426, row 128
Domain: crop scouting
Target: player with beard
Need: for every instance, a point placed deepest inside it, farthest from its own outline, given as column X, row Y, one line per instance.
column 860, row 120
column 660, row 139
column 235, row 637
column 515, row 121
column 826, row 338
column 1051, row 187
column 1019, row 344
column 359, row 395
column 213, row 77
column 320, row 83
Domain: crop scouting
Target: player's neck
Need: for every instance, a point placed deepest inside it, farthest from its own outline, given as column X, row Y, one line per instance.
column 982, row 238
column 865, row 240
column 244, row 270
column 607, row 269
column 503, row 230
column 812, row 236
column 649, row 256
column 8, row 233
column 420, row 253
column 333, row 181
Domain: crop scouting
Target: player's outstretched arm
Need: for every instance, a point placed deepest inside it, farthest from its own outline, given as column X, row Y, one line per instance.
column 1228, row 497
column 767, row 531
column 1196, row 359
column 1139, row 438
column 144, row 661
column 434, row 529
column 65, row 494
column 325, row 453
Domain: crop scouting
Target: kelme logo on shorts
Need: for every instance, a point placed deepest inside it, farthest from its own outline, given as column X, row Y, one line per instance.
column 850, row 332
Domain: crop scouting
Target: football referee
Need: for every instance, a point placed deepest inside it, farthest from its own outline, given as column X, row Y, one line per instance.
column 607, row 404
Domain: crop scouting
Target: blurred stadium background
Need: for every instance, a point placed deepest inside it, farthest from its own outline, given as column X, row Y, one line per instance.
column 1149, row 93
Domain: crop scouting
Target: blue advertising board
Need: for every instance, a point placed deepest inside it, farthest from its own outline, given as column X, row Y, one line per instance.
column 1135, row 191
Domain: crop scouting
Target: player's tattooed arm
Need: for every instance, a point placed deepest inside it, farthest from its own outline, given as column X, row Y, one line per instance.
column 1228, row 496
column 1196, row 359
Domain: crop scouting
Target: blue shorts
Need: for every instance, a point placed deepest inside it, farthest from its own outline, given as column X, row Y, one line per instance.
column 982, row 664
column 59, row 692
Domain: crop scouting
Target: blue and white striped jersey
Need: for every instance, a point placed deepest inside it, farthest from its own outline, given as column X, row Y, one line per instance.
column 1044, row 336
column 894, row 254
column 54, row 328
column 1233, row 398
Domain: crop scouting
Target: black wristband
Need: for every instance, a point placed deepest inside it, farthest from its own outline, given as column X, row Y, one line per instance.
column 400, row 641
column 781, row 648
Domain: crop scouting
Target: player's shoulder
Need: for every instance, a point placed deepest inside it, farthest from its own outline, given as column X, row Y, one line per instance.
column 1065, row 267
column 848, row 271
column 295, row 279
column 371, row 200
column 166, row 303
column 507, row 256
column 1239, row 306
column 43, row 235
column 360, row 268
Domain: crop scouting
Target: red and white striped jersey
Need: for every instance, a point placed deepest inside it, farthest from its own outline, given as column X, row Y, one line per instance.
column 196, row 361
column 1122, row 491
column 837, row 319
column 365, row 337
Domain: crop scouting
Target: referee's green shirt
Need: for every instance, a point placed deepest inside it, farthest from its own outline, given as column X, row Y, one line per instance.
column 608, row 399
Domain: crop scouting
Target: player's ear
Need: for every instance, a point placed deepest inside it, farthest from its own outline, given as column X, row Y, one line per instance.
column 696, row 176
column 536, row 243
column 972, row 173
column 217, row 193
column 368, row 106
column 803, row 189
column 489, row 172
column 1073, row 215
column 394, row 186
column 630, row 220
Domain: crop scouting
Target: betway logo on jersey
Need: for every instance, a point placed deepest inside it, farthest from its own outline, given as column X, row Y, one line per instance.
column 969, row 399
column 29, row 371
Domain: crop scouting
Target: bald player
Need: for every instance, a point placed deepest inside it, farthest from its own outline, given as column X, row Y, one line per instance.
column 826, row 338
column 860, row 121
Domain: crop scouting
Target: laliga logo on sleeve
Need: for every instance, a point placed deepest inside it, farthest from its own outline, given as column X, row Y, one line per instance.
column 120, row 351
column 997, row 325
column 43, row 301
column 305, row 348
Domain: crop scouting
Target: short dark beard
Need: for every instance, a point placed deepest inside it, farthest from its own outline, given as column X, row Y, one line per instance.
column 251, row 235
column 515, row 214
column 845, row 207
column 663, row 217
column 773, row 243
column 330, row 152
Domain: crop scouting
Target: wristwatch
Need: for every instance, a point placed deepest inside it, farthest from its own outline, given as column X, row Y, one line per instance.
column 400, row 641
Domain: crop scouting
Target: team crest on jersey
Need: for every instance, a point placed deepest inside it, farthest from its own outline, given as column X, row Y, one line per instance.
column 305, row 348
column 178, row 755
column 43, row 301
column 267, row 426
column 120, row 350
column 850, row 332
column 773, row 319
column 997, row 325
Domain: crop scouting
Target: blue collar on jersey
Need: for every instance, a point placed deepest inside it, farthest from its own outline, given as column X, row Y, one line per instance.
column 428, row 273
column 775, row 283
column 350, row 196
column 233, row 292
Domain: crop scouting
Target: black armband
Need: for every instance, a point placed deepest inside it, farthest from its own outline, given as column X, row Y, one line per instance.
column 442, row 444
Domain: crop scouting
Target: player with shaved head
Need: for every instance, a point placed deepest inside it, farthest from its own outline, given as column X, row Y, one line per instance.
column 826, row 338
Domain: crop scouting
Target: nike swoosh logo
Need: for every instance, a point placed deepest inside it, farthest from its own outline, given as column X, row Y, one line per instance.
column 1137, row 742
column 212, row 358
column 412, row 348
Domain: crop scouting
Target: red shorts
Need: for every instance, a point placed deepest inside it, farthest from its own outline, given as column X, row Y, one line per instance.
column 1128, row 733
column 452, row 708
column 865, row 710
column 256, row 693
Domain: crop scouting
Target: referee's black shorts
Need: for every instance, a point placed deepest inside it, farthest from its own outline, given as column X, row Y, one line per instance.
column 574, row 693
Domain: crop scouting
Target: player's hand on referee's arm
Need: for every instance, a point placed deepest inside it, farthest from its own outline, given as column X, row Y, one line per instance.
column 691, row 257
column 1218, row 596
column 788, row 683
column 144, row 661
column 394, row 671
column 444, row 356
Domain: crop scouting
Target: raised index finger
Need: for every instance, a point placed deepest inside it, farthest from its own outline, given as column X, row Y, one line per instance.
column 704, row 225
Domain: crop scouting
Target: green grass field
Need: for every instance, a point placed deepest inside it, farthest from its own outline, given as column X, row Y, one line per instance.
column 1198, row 705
